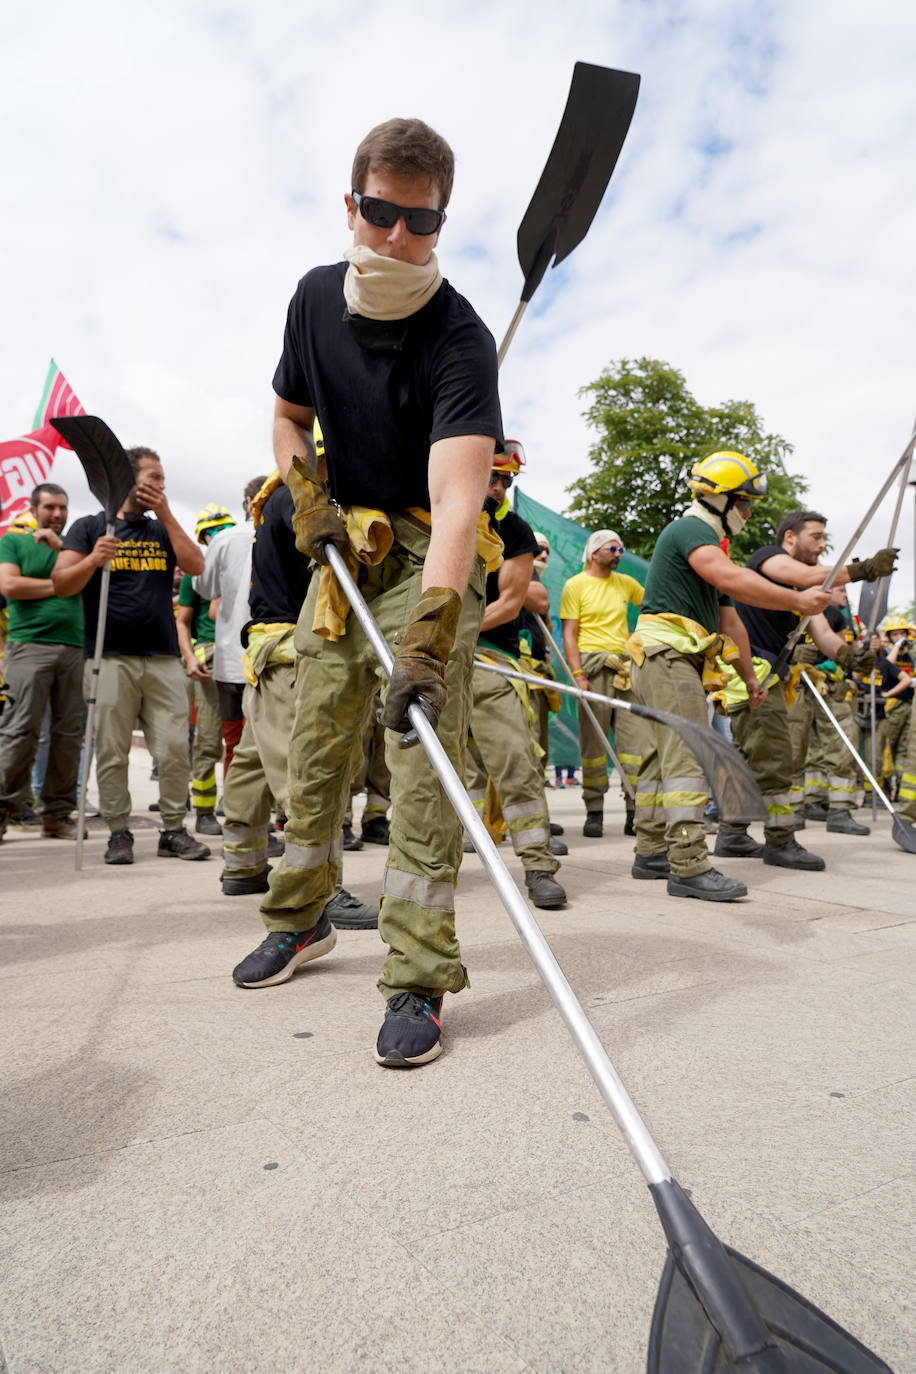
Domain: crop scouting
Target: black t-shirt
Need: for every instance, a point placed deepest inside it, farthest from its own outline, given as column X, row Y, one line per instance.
column 518, row 539
column 380, row 408
column 280, row 574
column 891, row 674
column 767, row 630
column 140, row 619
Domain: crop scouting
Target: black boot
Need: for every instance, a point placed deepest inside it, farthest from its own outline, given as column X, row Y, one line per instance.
column 711, row 886
column 792, row 855
column 739, row 846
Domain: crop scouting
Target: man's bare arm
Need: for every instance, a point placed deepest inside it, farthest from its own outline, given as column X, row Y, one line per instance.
column 731, row 624
column 791, row 573
column 15, row 587
column 709, row 562
column 826, row 639
column 537, row 598
column 514, row 577
column 73, row 569
column 184, row 616
column 458, row 473
column 293, row 435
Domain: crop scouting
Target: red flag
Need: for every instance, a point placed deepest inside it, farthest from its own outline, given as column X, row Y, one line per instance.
column 58, row 398
column 24, row 463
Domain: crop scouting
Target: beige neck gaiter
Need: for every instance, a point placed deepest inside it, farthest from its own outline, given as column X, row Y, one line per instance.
column 381, row 288
column 708, row 517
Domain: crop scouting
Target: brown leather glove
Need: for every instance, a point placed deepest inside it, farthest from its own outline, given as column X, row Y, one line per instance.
column 315, row 521
column 853, row 660
column 807, row 655
column 870, row 569
column 419, row 662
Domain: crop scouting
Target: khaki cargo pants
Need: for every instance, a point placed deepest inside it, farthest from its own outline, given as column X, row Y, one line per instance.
column 335, row 688
column 629, row 735
column 829, row 768
column 671, row 791
column 208, row 739
column 763, row 737
column 258, row 772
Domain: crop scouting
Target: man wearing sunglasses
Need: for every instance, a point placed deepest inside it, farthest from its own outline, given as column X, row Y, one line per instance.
column 593, row 611
column 401, row 374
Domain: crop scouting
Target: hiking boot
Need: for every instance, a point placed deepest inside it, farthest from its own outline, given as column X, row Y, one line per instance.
column 557, row 846
column 543, row 890
column 792, row 855
column 276, row 845
column 60, row 828
column 178, row 844
column 556, row 829
column 711, row 886
column 350, row 841
column 375, row 830
column 737, row 847
column 815, row 811
column 120, row 847
column 629, row 825
column 593, row 828
column 243, row 887
column 843, row 822
column 207, row 824
column 347, row 912
column 277, row 958
column 411, row 1031
column 651, row 866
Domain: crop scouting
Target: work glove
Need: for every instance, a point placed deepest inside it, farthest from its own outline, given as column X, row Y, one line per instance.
column 807, row 655
column 418, row 673
column 853, row 660
column 315, row 521
column 882, row 564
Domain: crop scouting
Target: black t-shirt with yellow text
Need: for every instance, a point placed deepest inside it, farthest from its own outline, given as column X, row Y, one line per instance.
column 140, row 619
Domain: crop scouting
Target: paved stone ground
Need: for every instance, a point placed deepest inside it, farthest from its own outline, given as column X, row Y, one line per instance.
column 196, row 1178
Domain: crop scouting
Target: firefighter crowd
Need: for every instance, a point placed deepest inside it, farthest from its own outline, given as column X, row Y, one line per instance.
column 388, row 449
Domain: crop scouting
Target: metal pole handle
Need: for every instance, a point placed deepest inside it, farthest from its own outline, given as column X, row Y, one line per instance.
column 609, row 1083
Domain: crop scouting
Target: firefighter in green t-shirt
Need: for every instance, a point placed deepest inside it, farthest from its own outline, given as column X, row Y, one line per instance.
column 43, row 665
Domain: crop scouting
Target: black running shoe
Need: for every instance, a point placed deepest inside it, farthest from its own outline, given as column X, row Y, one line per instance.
column 277, row 958
column 120, row 847
column 347, row 912
column 178, row 844
column 411, row 1031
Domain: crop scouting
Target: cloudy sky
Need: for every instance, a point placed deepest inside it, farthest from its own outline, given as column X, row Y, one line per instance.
column 171, row 169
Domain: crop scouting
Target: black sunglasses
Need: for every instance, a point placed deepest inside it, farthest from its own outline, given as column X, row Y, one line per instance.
column 384, row 214
column 504, row 477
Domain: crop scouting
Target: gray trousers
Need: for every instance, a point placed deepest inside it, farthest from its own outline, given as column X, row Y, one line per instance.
column 39, row 675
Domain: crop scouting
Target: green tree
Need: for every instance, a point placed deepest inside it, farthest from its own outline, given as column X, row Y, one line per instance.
column 650, row 431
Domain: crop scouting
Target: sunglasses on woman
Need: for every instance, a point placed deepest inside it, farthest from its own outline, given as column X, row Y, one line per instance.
column 384, row 214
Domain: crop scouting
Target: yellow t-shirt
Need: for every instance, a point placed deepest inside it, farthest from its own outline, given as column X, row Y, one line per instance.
column 600, row 606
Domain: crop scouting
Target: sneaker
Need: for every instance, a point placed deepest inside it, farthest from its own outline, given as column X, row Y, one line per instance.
column 792, row 855
column 207, row 824
column 651, row 866
column 544, row 891
column 276, row 845
column 60, row 828
column 178, row 844
column 737, row 847
column 277, row 958
column 120, row 847
column 573, row 782
column 593, row 828
column 843, row 822
column 351, row 841
column 557, row 846
column 244, row 886
column 28, row 819
column 711, row 886
column 347, row 912
column 411, row 1032
column 555, row 828
column 815, row 811
column 375, row 830
column 629, row 825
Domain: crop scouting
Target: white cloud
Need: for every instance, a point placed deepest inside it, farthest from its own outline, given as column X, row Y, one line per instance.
column 176, row 167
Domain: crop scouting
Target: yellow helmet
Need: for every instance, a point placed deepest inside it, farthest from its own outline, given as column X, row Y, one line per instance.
column 894, row 623
column 212, row 517
column 25, row 521
column 727, row 473
column 511, row 459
